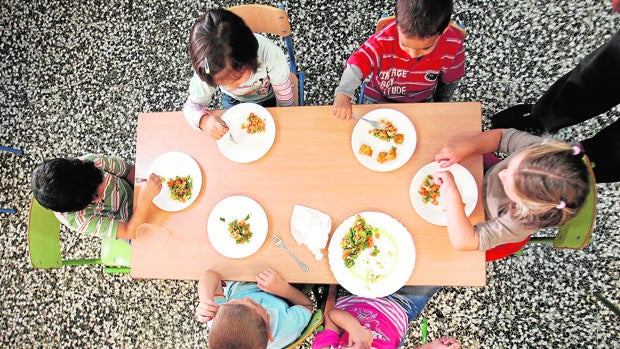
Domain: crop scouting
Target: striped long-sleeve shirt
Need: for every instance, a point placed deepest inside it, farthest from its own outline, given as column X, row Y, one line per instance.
column 101, row 218
column 397, row 77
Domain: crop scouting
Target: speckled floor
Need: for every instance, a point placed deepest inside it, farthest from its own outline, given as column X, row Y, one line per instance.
column 75, row 74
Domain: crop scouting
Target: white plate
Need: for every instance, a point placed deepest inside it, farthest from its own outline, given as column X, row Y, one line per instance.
column 236, row 207
column 361, row 136
column 170, row 165
column 397, row 268
column 436, row 214
column 251, row 147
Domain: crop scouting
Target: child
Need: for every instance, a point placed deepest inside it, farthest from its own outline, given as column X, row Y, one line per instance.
column 358, row 322
column 542, row 183
column 93, row 194
column 247, row 67
column 417, row 58
column 254, row 315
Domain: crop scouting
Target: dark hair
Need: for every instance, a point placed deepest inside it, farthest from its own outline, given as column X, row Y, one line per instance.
column 66, row 185
column 423, row 18
column 223, row 39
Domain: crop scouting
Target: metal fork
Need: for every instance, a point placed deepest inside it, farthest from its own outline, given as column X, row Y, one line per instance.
column 376, row 124
column 278, row 242
column 232, row 139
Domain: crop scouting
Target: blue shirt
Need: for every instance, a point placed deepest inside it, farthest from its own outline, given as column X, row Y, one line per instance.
column 285, row 322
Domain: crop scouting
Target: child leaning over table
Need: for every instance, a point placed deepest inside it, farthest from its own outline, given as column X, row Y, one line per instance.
column 381, row 323
column 254, row 315
column 246, row 67
column 93, row 194
column 542, row 183
column 416, row 58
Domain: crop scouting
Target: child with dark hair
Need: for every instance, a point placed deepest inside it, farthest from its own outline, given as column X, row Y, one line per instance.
column 252, row 315
column 416, row 58
column 541, row 183
column 246, row 67
column 381, row 323
column 93, row 194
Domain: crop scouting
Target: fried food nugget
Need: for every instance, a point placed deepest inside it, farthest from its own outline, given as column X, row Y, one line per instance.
column 365, row 150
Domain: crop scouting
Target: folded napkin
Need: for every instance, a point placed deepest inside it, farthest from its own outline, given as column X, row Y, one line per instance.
column 311, row 227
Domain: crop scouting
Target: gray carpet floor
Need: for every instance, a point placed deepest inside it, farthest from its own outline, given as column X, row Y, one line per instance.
column 75, row 75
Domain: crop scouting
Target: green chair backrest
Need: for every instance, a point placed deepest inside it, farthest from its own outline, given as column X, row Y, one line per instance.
column 575, row 233
column 315, row 321
column 43, row 237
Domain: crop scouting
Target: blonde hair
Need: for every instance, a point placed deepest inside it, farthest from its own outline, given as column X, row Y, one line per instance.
column 551, row 182
column 237, row 326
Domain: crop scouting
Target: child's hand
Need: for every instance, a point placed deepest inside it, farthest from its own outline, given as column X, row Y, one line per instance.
column 214, row 126
column 442, row 343
column 342, row 107
column 206, row 310
column 152, row 187
column 271, row 282
column 446, row 179
column 360, row 338
column 448, row 155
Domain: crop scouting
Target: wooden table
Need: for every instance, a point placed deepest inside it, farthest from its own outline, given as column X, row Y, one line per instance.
column 311, row 163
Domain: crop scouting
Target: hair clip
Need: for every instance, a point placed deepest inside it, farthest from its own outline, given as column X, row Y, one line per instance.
column 561, row 205
column 576, row 150
column 206, row 66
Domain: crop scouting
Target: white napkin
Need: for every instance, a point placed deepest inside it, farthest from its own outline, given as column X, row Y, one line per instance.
column 311, row 227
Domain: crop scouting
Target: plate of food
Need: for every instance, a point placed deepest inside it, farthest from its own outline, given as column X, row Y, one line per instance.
column 425, row 192
column 388, row 149
column 181, row 180
column 237, row 226
column 252, row 128
column 371, row 254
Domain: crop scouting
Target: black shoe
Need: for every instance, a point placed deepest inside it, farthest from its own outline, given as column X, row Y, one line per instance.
column 517, row 116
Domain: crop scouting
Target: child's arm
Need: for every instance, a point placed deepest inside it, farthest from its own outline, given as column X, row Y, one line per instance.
column 482, row 143
column 460, row 230
column 338, row 319
column 351, row 79
column 209, row 286
column 441, row 343
column 271, row 282
column 127, row 230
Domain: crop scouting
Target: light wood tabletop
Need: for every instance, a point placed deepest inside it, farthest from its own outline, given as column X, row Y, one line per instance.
column 311, row 163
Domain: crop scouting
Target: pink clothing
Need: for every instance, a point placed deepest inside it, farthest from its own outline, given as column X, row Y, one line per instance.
column 384, row 318
column 398, row 77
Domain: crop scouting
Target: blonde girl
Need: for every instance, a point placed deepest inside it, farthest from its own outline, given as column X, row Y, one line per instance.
column 541, row 183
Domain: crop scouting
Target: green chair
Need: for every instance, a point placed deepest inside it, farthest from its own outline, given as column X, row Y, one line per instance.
column 44, row 245
column 576, row 233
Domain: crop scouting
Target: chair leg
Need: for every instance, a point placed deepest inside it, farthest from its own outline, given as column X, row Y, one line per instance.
column 11, row 150
column 614, row 308
column 301, row 77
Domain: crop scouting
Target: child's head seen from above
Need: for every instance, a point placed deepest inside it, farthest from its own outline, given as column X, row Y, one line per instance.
column 420, row 23
column 240, row 323
column 66, row 184
column 547, row 184
column 223, row 49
